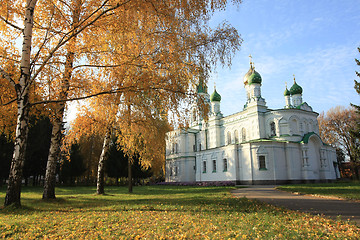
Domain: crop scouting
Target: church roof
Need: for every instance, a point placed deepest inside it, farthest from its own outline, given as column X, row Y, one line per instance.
column 287, row 92
column 295, row 89
column 252, row 76
column 306, row 137
column 247, row 75
column 215, row 96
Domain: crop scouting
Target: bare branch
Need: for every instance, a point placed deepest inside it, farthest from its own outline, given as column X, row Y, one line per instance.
column 112, row 91
column 46, row 39
column 10, row 59
column 5, row 75
column 109, row 66
column 74, row 32
column 11, row 24
column 10, row 102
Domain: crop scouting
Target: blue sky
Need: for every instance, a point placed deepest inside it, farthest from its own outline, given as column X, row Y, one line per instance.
column 315, row 40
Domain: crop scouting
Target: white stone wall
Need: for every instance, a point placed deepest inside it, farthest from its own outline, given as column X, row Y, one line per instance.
column 276, row 136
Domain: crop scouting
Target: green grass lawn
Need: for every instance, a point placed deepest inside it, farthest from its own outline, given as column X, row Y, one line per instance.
column 342, row 190
column 156, row 212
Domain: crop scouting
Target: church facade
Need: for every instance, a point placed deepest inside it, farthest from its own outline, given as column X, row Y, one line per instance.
column 255, row 146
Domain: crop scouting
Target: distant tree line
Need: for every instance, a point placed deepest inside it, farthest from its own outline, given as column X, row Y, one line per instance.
column 78, row 167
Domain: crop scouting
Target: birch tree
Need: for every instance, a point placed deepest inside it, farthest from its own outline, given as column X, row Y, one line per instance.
column 140, row 132
column 66, row 57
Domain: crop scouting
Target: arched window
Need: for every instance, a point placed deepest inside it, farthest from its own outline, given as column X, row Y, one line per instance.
column 236, row 136
column 214, row 165
column 175, row 171
column 229, row 137
column 225, row 165
column 301, row 128
column 204, row 166
column 243, row 135
column 294, row 127
column 194, row 115
column 262, row 163
column 176, row 148
column 272, row 129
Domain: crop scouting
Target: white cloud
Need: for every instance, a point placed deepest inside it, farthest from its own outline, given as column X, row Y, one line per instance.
column 326, row 76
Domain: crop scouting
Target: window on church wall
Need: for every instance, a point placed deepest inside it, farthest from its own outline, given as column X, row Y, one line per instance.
column 262, row 163
column 236, row 136
column 214, row 165
column 301, row 128
column 272, row 129
column 229, row 137
column 294, row 127
column 243, row 135
column 306, row 127
column 170, row 171
column 322, row 158
column 305, row 158
column 225, row 165
column 176, row 171
column 204, row 166
column 176, row 147
column 257, row 91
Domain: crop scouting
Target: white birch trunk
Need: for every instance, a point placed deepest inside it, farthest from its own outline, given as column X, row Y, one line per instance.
column 13, row 191
column 101, row 165
column 56, row 135
column 54, row 152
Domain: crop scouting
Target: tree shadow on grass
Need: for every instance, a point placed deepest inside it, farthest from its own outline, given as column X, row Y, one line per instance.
column 173, row 198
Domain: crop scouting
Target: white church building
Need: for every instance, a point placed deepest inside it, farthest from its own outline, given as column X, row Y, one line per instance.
column 255, row 146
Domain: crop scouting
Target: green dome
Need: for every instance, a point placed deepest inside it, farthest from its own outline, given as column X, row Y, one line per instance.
column 215, row 97
column 295, row 89
column 287, row 92
column 247, row 75
column 254, row 78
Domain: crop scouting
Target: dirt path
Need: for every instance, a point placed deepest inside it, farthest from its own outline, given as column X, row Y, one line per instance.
column 329, row 207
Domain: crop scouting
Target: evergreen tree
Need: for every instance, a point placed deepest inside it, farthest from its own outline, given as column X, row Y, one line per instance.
column 116, row 164
column 6, row 151
column 356, row 131
column 139, row 173
column 357, row 84
column 37, row 149
column 72, row 167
